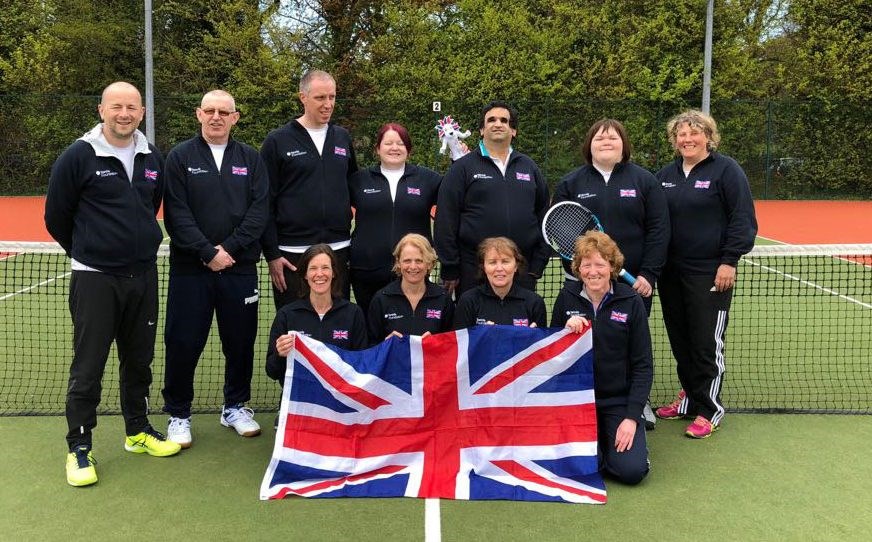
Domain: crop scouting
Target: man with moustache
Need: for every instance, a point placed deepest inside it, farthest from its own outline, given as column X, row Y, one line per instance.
column 103, row 196
column 215, row 212
column 309, row 161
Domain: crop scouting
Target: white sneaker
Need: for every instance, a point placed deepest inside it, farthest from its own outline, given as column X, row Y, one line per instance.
column 241, row 419
column 179, row 431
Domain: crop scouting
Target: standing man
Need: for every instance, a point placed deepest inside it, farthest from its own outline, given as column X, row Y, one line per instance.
column 309, row 162
column 491, row 192
column 216, row 210
column 103, row 197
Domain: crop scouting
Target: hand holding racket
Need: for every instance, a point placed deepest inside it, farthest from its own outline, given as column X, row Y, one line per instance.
column 567, row 221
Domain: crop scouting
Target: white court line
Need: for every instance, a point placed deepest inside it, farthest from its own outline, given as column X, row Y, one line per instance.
column 432, row 521
column 810, row 284
column 37, row 285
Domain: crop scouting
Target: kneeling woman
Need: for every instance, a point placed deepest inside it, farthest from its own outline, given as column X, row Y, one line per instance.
column 499, row 300
column 411, row 305
column 321, row 313
column 622, row 359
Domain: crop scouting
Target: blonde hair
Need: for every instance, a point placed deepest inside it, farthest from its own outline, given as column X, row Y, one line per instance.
column 695, row 119
column 597, row 242
column 415, row 240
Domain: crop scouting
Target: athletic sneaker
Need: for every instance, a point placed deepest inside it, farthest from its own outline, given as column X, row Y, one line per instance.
column 152, row 443
column 179, row 431
column 670, row 411
column 648, row 415
column 700, row 428
column 80, row 467
column 240, row 418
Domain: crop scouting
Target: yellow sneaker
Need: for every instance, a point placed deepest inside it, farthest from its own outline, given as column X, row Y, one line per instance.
column 152, row 443
column 80, row 467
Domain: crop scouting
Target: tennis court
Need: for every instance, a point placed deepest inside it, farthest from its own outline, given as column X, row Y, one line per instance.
column 799, row 341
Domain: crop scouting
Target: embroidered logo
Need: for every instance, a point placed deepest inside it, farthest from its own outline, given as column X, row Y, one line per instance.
column 150, row 175
column 105, row 173
column 702, row 184
column 197, row 170
column 340, row 151
column 433, row 314
column 413, row 191
column 295, row 153
column 522, row 176
column 520, row 322
column 585, row 195
column 619, row 316
column 628, row 193
column 239, row 170
column 482, row 176
column 339, row 334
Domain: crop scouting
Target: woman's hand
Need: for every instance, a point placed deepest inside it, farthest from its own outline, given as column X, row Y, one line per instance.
column 624, row 436
column 394, row 333
column 285, row 343
column 643, row 286
column 577, row 324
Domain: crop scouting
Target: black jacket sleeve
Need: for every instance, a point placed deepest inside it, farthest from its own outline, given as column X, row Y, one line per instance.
column 739, row 206
column 641, row 360
column 447, row 225
column 63, row 197
column 276, row 364
column 178, row 217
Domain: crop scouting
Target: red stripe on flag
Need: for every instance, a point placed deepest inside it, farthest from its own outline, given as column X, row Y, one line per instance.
column 360, row 395
column 523, row 473
column 338, row 482
column 527, row 364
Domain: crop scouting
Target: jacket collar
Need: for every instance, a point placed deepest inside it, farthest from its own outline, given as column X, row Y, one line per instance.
column 97, row 140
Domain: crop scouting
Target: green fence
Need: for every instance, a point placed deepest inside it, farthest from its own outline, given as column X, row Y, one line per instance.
column 790, row 149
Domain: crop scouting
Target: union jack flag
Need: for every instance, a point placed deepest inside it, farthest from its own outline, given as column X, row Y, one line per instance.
column 629, row 193
column 340, row 151
column 492, row 412
column 236, row 170
column 413, row 191
column 151, row 174
column 702, row 184
column 619, row 316
column 522, row 176
column 520, row 322
column 433, row 314
column 340, row 334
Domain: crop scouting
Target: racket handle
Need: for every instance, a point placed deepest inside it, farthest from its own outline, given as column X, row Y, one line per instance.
column 630, row 279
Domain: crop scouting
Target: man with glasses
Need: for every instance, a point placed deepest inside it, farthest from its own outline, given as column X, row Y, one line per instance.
column 309, row 162
column 103, row 197
column 215, row 212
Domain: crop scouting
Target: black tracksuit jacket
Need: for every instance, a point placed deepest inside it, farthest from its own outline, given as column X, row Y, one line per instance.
column 480, row 305
column 308, row 197
column 205, row 207
column 622, row 359
column 391, row 311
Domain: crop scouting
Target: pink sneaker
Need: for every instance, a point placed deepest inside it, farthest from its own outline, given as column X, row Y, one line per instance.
column 700, row 428
column 670, row 411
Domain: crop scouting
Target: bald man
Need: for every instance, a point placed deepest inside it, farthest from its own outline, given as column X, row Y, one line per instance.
column 215, row 212
column 103, row 197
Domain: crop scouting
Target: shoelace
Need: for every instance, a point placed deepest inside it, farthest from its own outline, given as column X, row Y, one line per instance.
column 702, row 422
column 152, row 432
column 82, row 458
column 234, row 414
column 179, row 423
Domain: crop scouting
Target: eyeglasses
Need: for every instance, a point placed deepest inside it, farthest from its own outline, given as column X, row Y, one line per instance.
column 211, row 111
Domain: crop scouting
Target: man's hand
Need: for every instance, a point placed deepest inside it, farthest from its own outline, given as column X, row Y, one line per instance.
column 643, row 286
column 725, row 278
column 277, row 272
column 222, row 260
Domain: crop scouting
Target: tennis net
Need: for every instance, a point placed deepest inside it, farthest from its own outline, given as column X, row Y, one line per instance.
column 799, row 337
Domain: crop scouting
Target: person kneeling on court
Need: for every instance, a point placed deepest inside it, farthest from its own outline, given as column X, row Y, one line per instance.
column 622, row 359
column 322, row 313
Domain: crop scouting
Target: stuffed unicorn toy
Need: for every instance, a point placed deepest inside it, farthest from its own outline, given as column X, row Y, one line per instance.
column 450, row 135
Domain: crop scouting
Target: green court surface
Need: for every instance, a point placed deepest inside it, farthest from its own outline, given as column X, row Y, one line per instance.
column 761, row 477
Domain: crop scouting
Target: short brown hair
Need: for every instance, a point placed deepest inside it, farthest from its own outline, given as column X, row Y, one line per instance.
column 597, row 241
column 303, row 265
column 420, row 242
column 503, row 245
column 605, row 125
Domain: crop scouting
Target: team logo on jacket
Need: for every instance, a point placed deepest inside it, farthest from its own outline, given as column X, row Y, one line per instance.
column 340, row 334
column 482, row 176
column 619, row 316
column 393, row 316
column 433, row 314
column 520, row 322
column 239, row 170
column 585, row 195
column 340, row 151
column 371, row 190
column 197, row 170
column 413, row 191
column 631, row 193
column 702, row 184
column 150, row 175
column 522, row 176
column 105, row 173
column 295, row 153
column 667, row 185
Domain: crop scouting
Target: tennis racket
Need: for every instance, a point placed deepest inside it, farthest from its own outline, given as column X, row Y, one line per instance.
column 567, row 221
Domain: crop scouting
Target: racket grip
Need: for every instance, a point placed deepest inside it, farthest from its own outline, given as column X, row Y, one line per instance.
column 628, row 278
